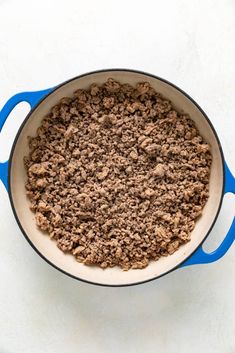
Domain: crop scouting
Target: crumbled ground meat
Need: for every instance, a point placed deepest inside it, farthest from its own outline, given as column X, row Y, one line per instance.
column 116, row 176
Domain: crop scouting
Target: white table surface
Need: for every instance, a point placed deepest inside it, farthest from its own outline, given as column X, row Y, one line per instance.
column 191, row 43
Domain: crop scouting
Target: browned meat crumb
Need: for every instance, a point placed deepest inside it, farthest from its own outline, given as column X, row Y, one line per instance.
column 116, row 176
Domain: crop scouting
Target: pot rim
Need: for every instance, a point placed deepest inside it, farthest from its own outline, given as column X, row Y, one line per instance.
column 40, row 102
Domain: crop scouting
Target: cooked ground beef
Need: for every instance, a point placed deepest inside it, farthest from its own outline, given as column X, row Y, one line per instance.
column 116, row 176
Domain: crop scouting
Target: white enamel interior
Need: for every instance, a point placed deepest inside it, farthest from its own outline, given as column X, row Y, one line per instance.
column 48, row 248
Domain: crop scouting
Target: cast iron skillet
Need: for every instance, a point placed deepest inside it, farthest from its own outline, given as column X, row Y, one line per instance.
column 13, row 176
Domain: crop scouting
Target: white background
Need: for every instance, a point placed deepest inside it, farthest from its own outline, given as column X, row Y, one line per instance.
column 192, row 44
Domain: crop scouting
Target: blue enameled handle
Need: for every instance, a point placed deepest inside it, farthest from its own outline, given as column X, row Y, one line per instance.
column 200, row 256
column 30, row 97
